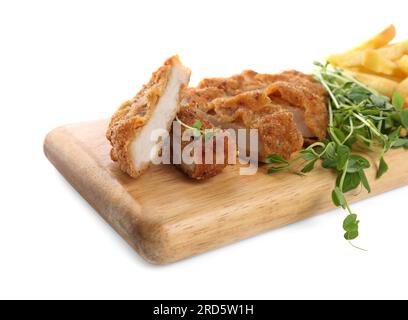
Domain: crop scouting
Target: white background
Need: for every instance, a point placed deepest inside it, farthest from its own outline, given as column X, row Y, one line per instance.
column 70, row 61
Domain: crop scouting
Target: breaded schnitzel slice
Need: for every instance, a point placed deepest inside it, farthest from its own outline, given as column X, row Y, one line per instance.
column 199, row 168
column 277, row 130
column 154, row 107
column 310, row 109
column 296, row 92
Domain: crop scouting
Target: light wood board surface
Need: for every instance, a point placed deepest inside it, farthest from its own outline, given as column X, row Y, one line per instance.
column 166, row 216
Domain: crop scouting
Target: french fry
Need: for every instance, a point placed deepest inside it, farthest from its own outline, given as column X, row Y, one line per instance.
column 355, row 57
column 402, row 88
column 394, row 51
column 378, row 64
column 398, row 76
column 374, row 62
column 403, row 64
column 346, row 60
column 379, row 40
column 382, row 85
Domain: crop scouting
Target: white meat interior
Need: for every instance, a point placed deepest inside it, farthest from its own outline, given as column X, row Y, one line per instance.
column 165, row 112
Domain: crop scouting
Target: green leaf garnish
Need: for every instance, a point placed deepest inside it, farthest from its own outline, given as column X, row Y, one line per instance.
column 382, row 168
column 343, row 154
column 398, row 101
column 276, row 158
column 357, row 163
column 307, row 155
column 338, row 198
column 378, row 101
column 359, row 117
column 329, row 163
column 276, row 169
column 350, row 225
column 309, row 167
column 351, row 181
column 197, row 128
column 404, row 118
column 399, row 143
column 364, row 180
column 198, row 124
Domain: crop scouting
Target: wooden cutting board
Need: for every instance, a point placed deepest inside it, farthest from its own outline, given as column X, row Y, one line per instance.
column 166, row 216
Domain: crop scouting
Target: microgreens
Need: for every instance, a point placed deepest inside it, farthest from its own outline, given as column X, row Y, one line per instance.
column 359, row 118
column 197, row 130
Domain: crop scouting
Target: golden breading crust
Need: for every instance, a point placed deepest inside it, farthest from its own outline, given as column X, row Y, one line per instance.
column 132, row 115
column 289, row 88
column 278, row 133
column 315, row 109
column 201, row 171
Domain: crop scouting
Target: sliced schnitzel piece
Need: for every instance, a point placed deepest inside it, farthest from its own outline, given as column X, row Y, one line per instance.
column 294, row 91
column 207, row 139
column 288, row 109
column 309, row 110
column 277, row 130
column 153, row 108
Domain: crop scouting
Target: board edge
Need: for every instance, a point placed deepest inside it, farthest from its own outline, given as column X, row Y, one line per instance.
column 111, row 200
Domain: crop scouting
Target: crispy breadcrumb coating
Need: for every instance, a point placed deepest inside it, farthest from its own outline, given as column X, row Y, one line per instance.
column 282, row 106
column 253, row 109
column 133, row 116
column 200, row 171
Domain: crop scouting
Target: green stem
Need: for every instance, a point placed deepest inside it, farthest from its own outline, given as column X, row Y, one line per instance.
column 343, row 176
column 335, row 138
column 368, row 124
column 353, row 245
column 351, row 131
column 329, row 91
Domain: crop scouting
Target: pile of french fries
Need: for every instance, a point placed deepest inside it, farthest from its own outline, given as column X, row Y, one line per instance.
column 378, row 64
